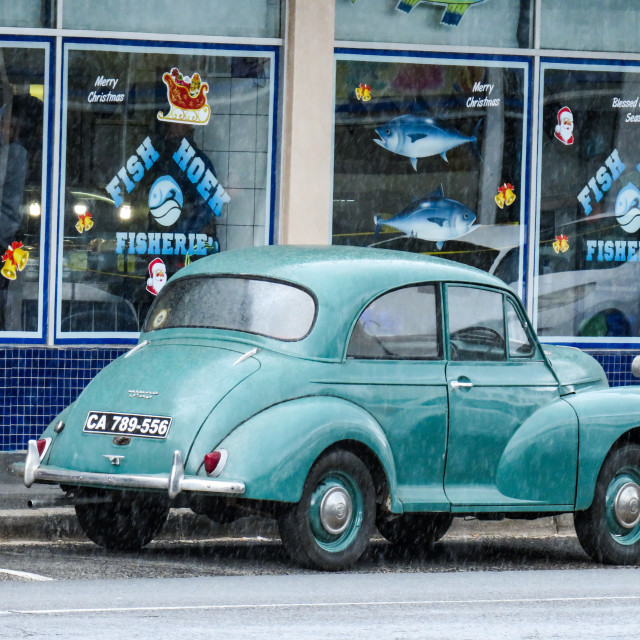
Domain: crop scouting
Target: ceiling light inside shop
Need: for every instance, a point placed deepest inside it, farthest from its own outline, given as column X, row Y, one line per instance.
column 34, row 209
column 80, row 209
column 125, row 212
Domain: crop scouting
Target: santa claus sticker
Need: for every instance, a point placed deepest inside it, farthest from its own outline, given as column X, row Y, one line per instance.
column 564, row 128
column 157, row 276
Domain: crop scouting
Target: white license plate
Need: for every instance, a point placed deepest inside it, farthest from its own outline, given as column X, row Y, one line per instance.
column 130, row 424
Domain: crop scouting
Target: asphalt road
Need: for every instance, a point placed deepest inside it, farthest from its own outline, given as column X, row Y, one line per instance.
column 585, row 603
column 263, row 556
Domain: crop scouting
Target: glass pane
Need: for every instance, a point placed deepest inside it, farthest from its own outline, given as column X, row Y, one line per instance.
column 166, row 159
column 469, row 23
column 520, row 343
column 589, row 199
column 430, row 157
column 400, row 324
column 593, row 25
column 476, row 324
column 247, row 18
column 23, row 126
column 28, row 13
column 267, row 308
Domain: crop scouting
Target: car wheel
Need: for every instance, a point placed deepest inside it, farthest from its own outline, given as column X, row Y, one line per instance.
column 609, row 530
column 416, row 529
column 118, row 520
column 330, row 527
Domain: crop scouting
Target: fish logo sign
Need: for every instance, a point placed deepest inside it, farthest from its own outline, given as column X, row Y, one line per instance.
column 166, row 201
column 418, row 137
column 434, row 218
column 626, row 208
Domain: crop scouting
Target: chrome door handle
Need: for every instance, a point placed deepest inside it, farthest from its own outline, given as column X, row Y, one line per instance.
column 456, row 384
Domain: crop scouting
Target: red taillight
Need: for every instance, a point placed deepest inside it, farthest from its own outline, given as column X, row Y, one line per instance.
column 211, row 461
column 43, row 445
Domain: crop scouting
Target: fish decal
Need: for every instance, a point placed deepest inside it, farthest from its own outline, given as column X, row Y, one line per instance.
column 453, row 12
column 419, row 137
column 626, row 208
column 434, row 218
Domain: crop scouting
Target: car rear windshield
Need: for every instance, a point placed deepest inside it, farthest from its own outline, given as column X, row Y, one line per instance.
column 252, row 305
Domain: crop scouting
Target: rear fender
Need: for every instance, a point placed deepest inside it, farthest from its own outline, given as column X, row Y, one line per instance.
column 273, row 451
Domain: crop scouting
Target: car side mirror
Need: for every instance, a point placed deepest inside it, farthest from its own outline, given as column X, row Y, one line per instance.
column 635, row 367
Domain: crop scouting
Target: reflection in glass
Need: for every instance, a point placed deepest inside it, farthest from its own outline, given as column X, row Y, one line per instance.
column 21, row 144
column 589, row 203
column 493, row 23
column 28, row 13
column 593, row 25
column 433, row 161
column 165, row 161
column 244, row 18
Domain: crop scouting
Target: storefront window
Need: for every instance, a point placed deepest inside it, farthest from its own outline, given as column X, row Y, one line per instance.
column 28, row 13
column 589, row 25
column 491, row 23
column 246, row 18
column 430, row 157
column 166, row 158
column 589, row 195
column 23, row 207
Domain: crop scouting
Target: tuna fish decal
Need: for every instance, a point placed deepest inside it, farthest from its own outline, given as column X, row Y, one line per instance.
column 453, row 11
column 419, row 137
column 433, row 218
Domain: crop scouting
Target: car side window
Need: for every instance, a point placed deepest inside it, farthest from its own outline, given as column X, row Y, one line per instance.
column 520, row 343
column 476, row 323
column 399, row 325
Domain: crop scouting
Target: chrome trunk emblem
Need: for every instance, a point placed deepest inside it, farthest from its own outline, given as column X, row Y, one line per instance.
column 137, row 393
column 115, row 460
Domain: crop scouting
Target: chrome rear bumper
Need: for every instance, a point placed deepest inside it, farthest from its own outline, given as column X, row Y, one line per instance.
column 174, row 482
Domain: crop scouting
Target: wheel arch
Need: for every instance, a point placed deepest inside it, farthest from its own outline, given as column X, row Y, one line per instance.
column 375, row 466
column 273, row 452
column 589, row 477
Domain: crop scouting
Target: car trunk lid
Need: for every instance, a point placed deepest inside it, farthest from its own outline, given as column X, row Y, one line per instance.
column 164, row 381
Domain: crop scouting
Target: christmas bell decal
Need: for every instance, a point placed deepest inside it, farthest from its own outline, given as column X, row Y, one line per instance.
column 506, row 195
column 15, row 259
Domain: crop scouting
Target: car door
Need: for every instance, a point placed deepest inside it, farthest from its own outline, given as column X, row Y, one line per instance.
column 395, row 369
column 512, row 440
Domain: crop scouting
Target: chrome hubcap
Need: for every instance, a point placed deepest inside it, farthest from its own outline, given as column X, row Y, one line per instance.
column 336, row 510
column 627, row 505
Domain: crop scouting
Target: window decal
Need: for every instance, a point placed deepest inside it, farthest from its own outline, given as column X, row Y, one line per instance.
column 435, row 162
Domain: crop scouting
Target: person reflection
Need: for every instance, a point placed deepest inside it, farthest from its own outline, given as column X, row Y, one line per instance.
column 20, row 161
column 173, row 207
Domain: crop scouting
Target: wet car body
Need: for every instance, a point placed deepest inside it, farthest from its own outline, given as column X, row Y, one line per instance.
column 339, row 389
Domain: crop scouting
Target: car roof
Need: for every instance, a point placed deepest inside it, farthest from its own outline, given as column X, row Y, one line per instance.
column 312, row 266
column 343, row 279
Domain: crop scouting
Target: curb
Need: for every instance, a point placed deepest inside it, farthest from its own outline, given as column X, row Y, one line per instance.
column 60, row 524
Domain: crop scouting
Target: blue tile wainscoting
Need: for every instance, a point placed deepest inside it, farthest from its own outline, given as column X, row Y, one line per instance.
column 36, row 383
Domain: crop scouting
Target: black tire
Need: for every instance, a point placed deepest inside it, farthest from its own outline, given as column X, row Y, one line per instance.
column 331, row 526
column 120, row 521
column 415, row 529
column 609, row 530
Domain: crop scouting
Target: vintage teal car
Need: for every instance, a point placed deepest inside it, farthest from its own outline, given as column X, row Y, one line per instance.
column 338, row 389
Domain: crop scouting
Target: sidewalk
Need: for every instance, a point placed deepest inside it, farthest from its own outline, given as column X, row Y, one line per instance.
column 19, row 522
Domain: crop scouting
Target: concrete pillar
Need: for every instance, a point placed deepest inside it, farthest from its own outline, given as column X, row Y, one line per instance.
column 307, row 125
